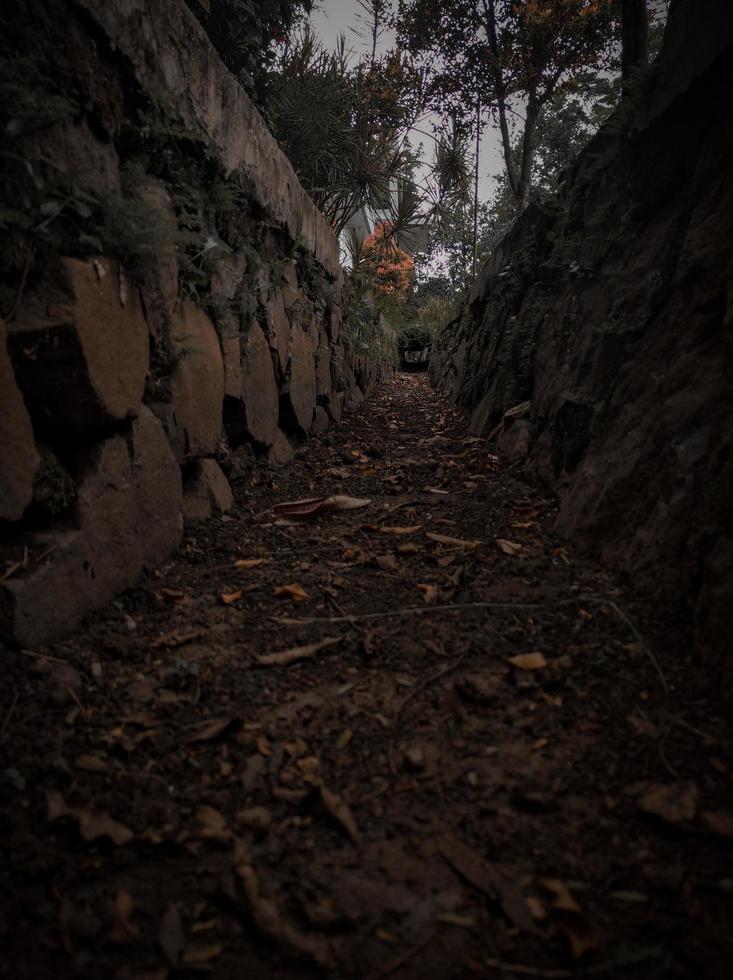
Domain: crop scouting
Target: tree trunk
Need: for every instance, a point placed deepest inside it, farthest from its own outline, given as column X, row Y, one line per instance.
column 525, row 177
column 634, row 38
column 490, row 14
column 475, row 191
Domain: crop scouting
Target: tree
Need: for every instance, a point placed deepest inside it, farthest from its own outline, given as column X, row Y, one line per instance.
column 509, row 55
column 634, row 37
column 344, row 127
column 390, row 266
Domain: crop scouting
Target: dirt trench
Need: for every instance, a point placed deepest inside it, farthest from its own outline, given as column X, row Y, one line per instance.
column 474, row 754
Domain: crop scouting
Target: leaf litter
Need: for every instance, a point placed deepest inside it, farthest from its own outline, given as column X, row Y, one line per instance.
column 378, row 802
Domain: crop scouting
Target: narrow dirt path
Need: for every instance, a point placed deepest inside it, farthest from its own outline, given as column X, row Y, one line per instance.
column 489, row 761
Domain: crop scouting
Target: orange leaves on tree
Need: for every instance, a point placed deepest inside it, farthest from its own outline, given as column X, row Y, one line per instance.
column 392, row 266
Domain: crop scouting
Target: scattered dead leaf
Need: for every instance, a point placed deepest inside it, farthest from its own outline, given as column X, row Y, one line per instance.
column 227, row 598
column 93, row 823
column 453, row 542
column 202, row 955
column 286, row 657
column 509, row 547
column 718, row 823
column 293, row 591
column 178, row 637
column 300, row 511
column 675, row 803
column 430, row 592
column 340, row 812
column 267, row 919
column 170, row 935
column 243, row 564
column 396, row 530
column 124, row 929
column 528, row 661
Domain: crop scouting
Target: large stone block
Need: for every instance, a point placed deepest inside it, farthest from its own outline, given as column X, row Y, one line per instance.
column 278, row 330
column 259, row 389
column 157, row 272
column 128, row 516
column 299, row 401
column 19, row 460
column 206, row 491
column 79, row 345
column 193, row 419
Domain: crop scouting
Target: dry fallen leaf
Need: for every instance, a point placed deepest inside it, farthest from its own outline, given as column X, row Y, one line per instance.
column 202, row 955
column 718, row 823
column 244, row 563
column 453, row 542
column 285, row 657
column 388, row 563
column 340, row 812
column 124, row 928
column 170, row 935
column 400, row 530
column 294, row 592
column 300, row 511
column 209, row 730
column 93, row 823
column 528, row 661
column 213, row 825
column 509, row 547
column 674, row 803
column 91, row 763
column 267, row 919
column 430, row 592
column 178, row 637
column 229, row 597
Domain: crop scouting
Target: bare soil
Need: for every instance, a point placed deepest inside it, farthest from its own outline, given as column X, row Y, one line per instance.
column 505, row 764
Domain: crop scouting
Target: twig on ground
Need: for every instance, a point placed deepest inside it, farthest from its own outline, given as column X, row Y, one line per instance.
column 589, row 971
column 42, row 656
column 451, row 607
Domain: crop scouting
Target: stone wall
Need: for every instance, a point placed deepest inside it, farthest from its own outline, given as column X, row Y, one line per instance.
column 602, row 324
column 170, row 301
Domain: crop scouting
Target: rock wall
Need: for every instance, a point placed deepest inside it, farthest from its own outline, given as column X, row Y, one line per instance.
column 602, row 325
column 170, row 300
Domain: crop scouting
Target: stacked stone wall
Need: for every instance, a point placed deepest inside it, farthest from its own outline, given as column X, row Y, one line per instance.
column 170, row 298
column 596, row 344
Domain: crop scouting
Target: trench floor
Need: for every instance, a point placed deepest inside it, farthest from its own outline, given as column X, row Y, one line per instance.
column 420, row 738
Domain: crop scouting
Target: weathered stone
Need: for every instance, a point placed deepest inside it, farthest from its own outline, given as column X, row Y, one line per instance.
column 323, row 371
column 513, row 441
column 228, row 273
column 299, row 401
column 354, row 398
column 193, row 419
column 290, row 289
column 623, row 345
column 278, row 330
column 231, row 350
column 259, row 389
column 321, row 421
column 205, row 491
column 79, row 345
column 157, row 271
column 168, row 51
column 19, row 459
column 128, row 514
column 281, row 451
column 335, row 406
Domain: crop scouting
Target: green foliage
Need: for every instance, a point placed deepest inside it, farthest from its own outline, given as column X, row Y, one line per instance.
column 244, row 31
